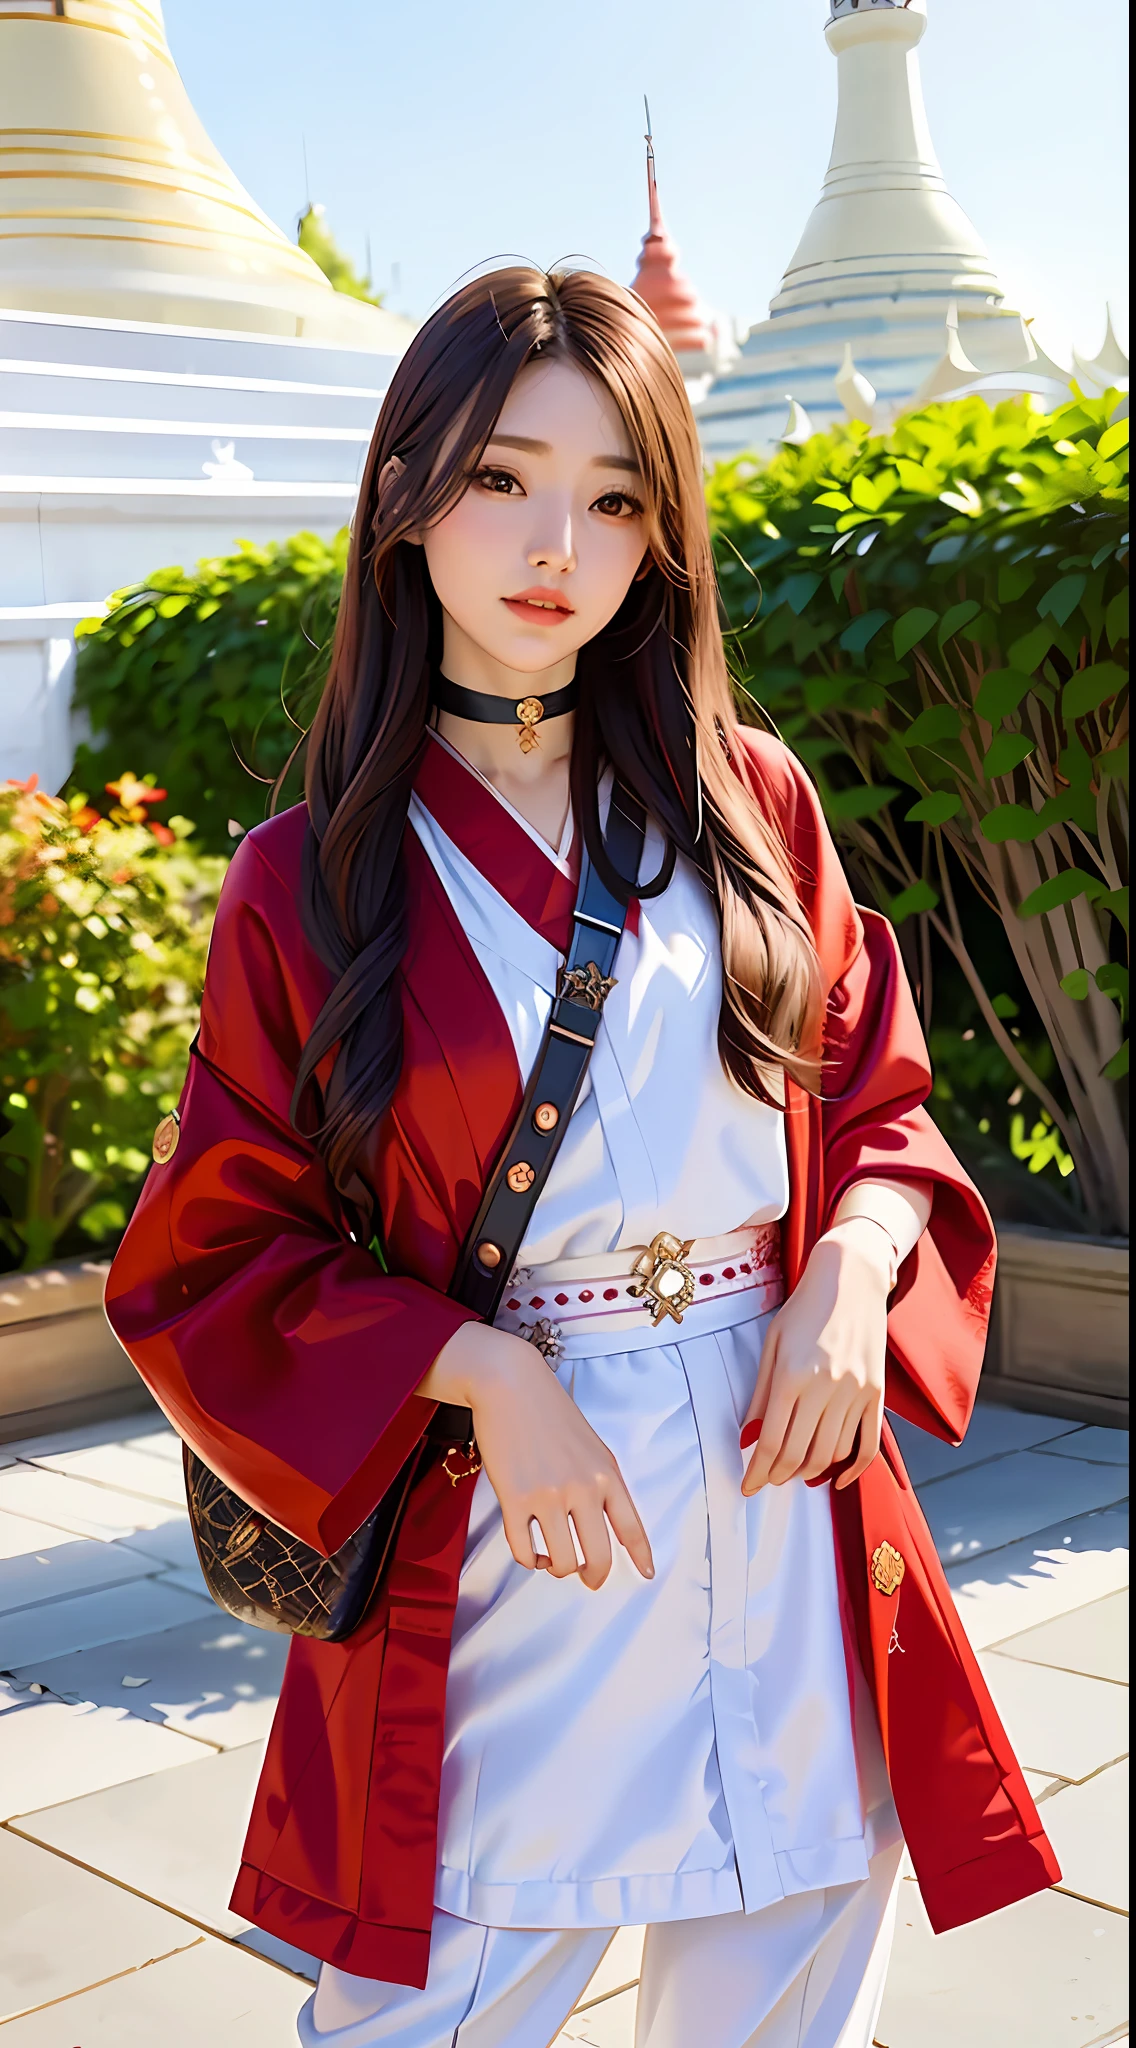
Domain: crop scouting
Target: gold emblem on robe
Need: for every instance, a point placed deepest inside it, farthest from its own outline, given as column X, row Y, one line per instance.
column 887, row 1568
column 166, row 1138
column 665, row 1283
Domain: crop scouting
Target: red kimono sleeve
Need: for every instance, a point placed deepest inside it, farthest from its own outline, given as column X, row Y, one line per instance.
column 277, row 1347
column 870, row 1121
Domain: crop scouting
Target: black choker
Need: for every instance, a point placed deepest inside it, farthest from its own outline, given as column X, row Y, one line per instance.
column 526, row 713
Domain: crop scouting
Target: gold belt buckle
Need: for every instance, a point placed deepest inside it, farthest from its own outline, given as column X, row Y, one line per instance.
column 665, row 1283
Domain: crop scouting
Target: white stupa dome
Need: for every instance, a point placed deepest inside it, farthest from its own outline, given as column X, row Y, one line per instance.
column 891, row 297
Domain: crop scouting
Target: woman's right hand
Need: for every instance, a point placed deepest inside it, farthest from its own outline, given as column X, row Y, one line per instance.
column 545, row 1462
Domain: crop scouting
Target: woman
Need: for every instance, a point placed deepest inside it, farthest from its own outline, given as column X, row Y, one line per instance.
column 724, row 1723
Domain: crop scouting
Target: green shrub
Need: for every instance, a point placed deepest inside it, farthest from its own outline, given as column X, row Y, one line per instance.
column 104, row 925
column 937, row 619
column 205, row 675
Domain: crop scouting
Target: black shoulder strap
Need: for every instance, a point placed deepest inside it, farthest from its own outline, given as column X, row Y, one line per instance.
column 490, row 1251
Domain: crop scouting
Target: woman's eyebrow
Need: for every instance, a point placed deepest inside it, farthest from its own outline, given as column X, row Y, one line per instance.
column 531, row 447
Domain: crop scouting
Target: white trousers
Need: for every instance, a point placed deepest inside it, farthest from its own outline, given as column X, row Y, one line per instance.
column 805, row 1972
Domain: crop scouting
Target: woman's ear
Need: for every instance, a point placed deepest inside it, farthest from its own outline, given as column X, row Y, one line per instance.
column 390, row 475
column 645, row 567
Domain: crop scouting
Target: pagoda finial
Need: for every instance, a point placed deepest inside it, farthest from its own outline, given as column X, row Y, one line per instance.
column 654, row 211
column 660, row 283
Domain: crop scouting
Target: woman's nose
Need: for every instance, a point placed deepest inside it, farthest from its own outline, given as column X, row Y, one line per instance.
column 554, row 548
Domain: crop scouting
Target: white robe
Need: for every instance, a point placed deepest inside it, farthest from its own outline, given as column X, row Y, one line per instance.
column 682, row 1747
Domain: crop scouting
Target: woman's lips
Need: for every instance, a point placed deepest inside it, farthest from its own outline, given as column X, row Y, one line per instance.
column 539, row 607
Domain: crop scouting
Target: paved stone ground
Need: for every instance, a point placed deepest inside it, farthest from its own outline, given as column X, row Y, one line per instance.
column 133, row 1714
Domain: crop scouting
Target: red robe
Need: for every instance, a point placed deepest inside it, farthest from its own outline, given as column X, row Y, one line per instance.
column 283, row 1354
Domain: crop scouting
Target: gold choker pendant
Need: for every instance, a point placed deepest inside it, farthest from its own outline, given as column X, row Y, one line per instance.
column 530, row 711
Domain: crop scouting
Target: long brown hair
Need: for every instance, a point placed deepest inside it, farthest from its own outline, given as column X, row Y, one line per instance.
column 655, row 700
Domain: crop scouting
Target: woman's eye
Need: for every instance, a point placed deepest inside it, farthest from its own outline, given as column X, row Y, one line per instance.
column 498, row 480
column 617, row 505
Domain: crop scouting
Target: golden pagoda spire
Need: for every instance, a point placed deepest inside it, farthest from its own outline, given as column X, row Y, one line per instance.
column 115, row 203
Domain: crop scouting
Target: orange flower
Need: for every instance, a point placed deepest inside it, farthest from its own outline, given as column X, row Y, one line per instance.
column 162, row 834
column 130, row 792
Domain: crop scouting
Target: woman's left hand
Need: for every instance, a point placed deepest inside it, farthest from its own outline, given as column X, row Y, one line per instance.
column 821, row 1377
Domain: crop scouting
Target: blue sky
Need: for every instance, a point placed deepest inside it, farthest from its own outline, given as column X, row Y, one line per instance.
column 449, row 132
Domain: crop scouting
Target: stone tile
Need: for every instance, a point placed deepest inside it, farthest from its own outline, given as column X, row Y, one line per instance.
column 176, row 1837
column 63, row 1928
column 114, row 1614
column 189, row 1578
column 52, row 1750
column 1058, row 1723
column 611, row 2024
column 258, row 1943
column 1049, row 1972
column 213, row 1678
column 993, row 1432
column 78, row 1505
column 39, row 1563
column 1100, row 1446
column 113, row 1429
column 209, row 1992
column 1049, row 1574
column 1092, row 1640
column 171, row 1543
column 621, row 1965
column 128, row 1468
column 982, row 1509
column 1088, row 1826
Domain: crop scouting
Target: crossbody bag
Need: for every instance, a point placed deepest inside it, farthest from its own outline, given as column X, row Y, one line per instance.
column 256, row 1570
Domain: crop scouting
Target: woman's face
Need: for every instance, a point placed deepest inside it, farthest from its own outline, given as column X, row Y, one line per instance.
column 538, row 555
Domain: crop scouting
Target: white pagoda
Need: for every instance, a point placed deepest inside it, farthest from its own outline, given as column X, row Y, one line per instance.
column 891, row 298
column 174, row 373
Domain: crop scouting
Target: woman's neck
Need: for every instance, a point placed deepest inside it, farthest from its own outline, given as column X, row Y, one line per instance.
column 535, row 783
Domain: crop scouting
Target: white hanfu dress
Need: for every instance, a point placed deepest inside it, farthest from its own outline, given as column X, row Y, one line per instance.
column 677, row 1748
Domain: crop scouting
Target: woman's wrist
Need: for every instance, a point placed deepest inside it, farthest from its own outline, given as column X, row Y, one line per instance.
column 474, row 1363
column 869, row 1240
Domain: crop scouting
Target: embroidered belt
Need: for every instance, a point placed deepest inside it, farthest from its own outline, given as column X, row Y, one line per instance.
column 657, row 1283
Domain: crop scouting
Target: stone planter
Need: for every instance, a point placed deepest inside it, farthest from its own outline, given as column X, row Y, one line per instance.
column 60, row 1363
column 1059, row 1332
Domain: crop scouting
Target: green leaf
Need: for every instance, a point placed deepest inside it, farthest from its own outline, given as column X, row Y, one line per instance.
column 1007, row 750
column 935, row 809
column 796, row 591
column 1061, row 889
column 1030, row 651
column 1117, row 901
column 1116, row 618
column 1076, row 984
column 1062, row 599
column 862, row 802
column 171, row 606
column 1005, row 1006
column 937, row 723
column 948, row 549
column 1113, row 438
column 1091, row 687
column 1013, row 822
column 836, row 499
column 1000, row 693
column 958, row 616
column 1014, row 580
column 910, row 902
column 1116, row 1068
column 1114, row 760
column 856, row 637
column 911, row 629
column 1112, row 980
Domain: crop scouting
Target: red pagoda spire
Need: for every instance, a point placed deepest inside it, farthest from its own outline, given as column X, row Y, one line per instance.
column 660, row 283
